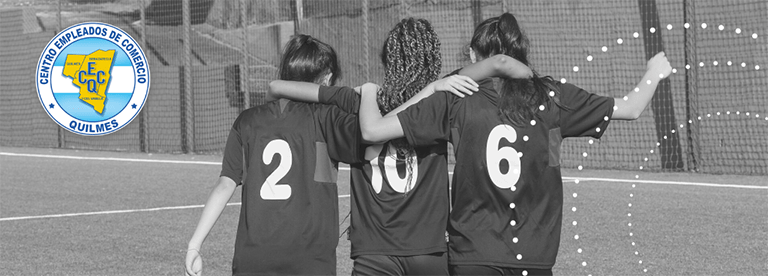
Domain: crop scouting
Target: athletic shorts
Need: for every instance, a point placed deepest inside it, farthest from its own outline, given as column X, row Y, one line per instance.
column 429, row 264
column 496, row 270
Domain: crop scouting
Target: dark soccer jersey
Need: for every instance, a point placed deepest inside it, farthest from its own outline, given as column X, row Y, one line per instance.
column 507, row 188
column 286, row 161
column 389, row 216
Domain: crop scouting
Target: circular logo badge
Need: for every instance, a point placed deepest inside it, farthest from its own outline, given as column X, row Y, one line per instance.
column 92, row 79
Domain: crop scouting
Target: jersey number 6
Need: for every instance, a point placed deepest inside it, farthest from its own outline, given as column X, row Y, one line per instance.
column 270, row 190
column 494, row 155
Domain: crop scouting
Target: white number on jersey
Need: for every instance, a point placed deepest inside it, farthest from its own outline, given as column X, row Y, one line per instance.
column 398, row 184
column 494, row 155
column 270, row 190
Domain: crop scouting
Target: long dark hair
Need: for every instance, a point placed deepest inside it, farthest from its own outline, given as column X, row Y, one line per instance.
column 520, row 98
column 411, row 57
column 308, row 59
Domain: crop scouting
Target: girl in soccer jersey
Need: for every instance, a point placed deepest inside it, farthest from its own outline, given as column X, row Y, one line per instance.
column 399, row 197
column 285, row 154
column 507, row 188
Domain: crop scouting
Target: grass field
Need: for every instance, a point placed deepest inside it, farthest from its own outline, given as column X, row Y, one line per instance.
column 68, row 212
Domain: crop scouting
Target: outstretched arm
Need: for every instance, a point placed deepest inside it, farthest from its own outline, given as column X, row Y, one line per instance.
column 217, row 200
column 632, row 105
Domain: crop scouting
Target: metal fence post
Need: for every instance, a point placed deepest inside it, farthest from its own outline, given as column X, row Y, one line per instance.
column 691, row 78
column 187, row 110
column 244, row 72
column 144, row 115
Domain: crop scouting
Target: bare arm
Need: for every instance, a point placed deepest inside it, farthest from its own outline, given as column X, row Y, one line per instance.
column 497, row 66
column 632, row 105
column 374, row 127
column 293, row 90
column 217, row 200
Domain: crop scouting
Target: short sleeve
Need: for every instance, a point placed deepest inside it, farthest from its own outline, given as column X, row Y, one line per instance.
column 426, row 123
column 342, row 135
column 586, row 114
column 344, row 97
column 232, row 164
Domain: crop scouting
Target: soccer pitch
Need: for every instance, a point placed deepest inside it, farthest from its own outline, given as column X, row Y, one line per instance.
column 110, row 213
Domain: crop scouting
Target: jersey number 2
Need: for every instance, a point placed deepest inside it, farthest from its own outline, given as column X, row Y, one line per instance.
column 494, row 155
column 270, row 190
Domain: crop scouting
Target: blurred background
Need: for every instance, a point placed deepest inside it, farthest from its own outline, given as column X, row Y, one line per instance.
column 211, row 59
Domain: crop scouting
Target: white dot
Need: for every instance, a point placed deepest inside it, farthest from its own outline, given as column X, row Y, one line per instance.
column 687, row 66
column 754, row 35
column 673, row 131
column 519, row 256
column 551, row 93
column 653, row 30
column 637, row 89
column 580, row 168
column 513, row 223
column 743, row 64
column 661, row 76
column 738, row 30
column 646, row 159
column 729, row 63
column 514, row 188
column 575, row 68
column 738, row 112
column 519, row 154
column 576, row 181
column 631, row 195
column 709, row 115
column 597, row 129
column 574, row 195
column 619, row 41
column 573, row 209
column 636, row 35
column 721, row 27
column 563, row 80
column 579, row 250
column 703, row 25
column 615, row 108
column 645, row 270
column 746, row 113
column 633, row 243
column 629, row 214
column 674, row 70
column 629, row 224
column 701, row 64
column 605, row 49
column 576, row 237
column 699, row 118
column 591, row 141
column 715, row 63
column 512, row 205
column 641, row 167
column 728, row 112
column 605, row 118
column 669, row 26
column 584, row 154
column 658, row 144
column 625, row 98
column 637, row 253
column 630, row 234
column 648, row 82
column 641, row 261
column 525, row 272
column 665, row 137
column 541, row 107
column 514, row 240
column 574, row 223
column 533, row 122
column 525, row 138
column 583, row 263
column 636, row 176
column 589, row 58
column 686, row 25
column 757, row 67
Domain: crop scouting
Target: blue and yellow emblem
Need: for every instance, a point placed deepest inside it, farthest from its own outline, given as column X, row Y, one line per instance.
column 92, row 79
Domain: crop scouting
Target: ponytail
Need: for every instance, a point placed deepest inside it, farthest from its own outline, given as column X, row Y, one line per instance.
column 519, row 98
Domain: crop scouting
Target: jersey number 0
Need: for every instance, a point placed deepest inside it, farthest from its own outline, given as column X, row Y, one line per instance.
column 271, row 190
column 494, row 155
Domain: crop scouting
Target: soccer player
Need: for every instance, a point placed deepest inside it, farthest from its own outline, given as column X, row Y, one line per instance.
column 507, row 188
column 400, row 201
column 285, row 154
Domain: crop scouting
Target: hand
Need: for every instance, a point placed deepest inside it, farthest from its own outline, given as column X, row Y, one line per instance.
column 659, row 66
column 457, row 84
column 194, row 263
column 358, row 89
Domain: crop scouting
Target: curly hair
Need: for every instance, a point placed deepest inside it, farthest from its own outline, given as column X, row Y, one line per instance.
column 411, row 57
